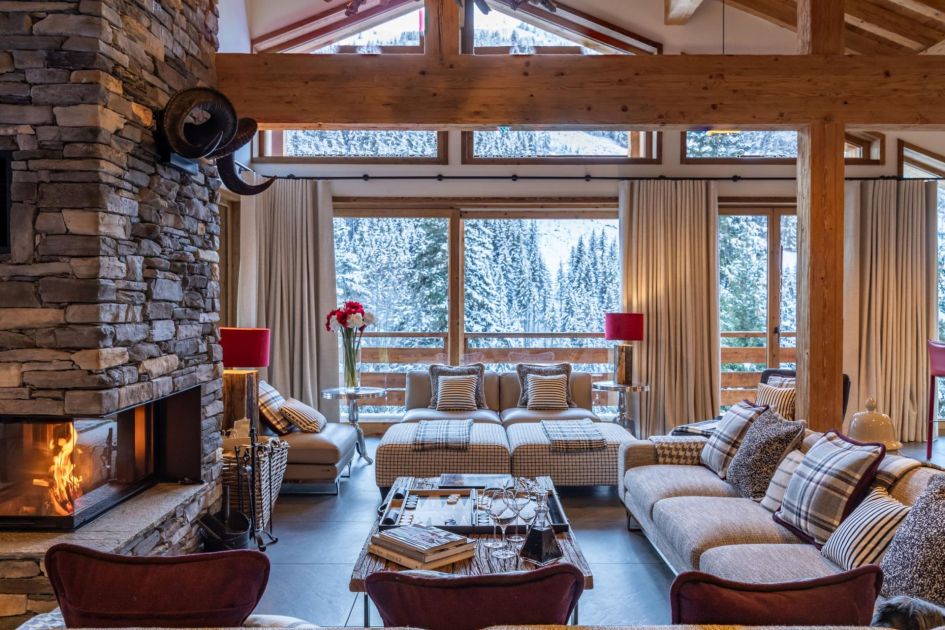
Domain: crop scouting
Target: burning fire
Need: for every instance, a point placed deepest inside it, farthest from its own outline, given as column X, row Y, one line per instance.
column 66, row 485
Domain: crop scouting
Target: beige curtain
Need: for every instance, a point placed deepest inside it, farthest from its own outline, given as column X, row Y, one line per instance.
column 890, row 288
column 669, row 241
column 295, row 287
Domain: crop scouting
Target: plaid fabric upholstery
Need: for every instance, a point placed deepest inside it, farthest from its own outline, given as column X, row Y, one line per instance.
column 721, row 447
column 893, row 468
column 705, row 428
column 685, row 451
column 533, row 456
column 270, row 409
column 443, row 434
column 779, row 482
column 488, row 452
column 573, row 435
column 830, row 481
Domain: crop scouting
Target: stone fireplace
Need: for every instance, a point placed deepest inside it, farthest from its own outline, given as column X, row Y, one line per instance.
column 109, row 290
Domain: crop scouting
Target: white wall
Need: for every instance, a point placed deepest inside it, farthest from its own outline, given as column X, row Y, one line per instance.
column 234, row 30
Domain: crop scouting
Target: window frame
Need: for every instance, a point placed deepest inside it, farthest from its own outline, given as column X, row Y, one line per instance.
column 902, row 159
column 267, row 137
column 873, row 144
column 734, row 386
column 653, row 147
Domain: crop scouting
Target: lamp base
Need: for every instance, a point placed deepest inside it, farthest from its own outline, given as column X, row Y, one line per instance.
column 240, row 396
column 623, row 364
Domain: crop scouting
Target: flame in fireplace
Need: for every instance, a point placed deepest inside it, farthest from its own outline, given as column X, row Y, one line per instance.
column 66, row 485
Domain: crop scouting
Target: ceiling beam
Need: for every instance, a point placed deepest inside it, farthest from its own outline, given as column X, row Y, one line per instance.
column 820, row 27
column 935, row 49
column 933, row 9
column 892, row 25
column 678, row 12
column 467, row 91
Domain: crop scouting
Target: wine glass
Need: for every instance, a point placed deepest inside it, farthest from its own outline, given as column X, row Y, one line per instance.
column 520, row 500
column 503, row 513
column 489, row 495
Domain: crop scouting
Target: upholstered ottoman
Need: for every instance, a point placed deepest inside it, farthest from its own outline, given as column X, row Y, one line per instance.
column 488, row 452
column 532, row 456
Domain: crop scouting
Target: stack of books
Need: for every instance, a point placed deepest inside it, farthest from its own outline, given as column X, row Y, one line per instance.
column 418, row 547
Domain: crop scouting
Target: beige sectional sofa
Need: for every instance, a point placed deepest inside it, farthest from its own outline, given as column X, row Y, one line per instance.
column 697, row 521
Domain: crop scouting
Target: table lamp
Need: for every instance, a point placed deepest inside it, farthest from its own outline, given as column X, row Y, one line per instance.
column 244, row 351
column 623, row 327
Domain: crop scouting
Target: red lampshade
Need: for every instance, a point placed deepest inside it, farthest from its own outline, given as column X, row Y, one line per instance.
column 245, row 347
column 623, row 326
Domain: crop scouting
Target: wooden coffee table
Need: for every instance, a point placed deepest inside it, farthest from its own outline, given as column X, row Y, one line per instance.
column 482, row 563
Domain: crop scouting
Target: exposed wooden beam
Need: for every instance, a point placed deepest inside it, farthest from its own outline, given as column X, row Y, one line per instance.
column 935, row 49
column 933, row 9
column 680, row 11
column 891, row 25
column 820, row 166
column 442, row 34
column 648, row 91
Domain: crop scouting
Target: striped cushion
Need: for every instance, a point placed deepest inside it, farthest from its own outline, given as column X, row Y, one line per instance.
column 782, row 399
column 270, row 409
column 306, row 418
column 864, row 536
column 779, row 482
column 456, row 393
column 718, row 452
column 833, row 477
column 547, row 392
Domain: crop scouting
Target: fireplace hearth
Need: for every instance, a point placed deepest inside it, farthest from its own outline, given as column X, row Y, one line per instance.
column 60, row 473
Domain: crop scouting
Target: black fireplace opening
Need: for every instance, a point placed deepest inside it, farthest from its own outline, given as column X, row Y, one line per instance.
column 62, row 472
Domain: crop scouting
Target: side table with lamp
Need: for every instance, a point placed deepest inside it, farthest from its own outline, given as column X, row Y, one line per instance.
column 624, row 328
column 624, row 417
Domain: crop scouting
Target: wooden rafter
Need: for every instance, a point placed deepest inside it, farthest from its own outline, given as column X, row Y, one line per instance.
column 680, row 11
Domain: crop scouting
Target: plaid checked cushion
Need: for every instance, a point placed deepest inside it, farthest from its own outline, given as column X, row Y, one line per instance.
column 573, row 435
column 832, row 478
column 270, row 409
column 679, row 450
column 488, row 452
column 443, row 434
column 779, row 481
column 532, row 456
column 718, row 452
column 864, row 536
column 704, row 428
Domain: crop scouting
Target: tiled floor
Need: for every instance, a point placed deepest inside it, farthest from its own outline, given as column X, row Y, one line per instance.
column 320, row 538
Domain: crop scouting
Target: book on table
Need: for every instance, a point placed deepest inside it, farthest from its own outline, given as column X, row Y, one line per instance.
column 416, row 546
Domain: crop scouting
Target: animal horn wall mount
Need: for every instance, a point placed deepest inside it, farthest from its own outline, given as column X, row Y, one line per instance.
column 201, row 123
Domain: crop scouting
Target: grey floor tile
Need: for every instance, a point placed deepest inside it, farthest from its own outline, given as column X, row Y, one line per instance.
column 627, row 594
column 317, row 593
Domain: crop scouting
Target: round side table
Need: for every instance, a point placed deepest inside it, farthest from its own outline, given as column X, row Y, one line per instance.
column 623, row 392
column 351, row 396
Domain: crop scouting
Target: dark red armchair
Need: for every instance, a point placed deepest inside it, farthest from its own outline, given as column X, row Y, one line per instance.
column 105, row 590
column 440, row 601
column 844, row 599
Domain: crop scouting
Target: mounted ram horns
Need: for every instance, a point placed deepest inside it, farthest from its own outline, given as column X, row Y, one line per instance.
column 202, row 123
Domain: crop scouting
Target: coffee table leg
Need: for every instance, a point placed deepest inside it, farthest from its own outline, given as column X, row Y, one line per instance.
column 574, row 615
column 354, row 419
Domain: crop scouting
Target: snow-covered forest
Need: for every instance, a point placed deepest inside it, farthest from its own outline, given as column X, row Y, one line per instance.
column 736, row 144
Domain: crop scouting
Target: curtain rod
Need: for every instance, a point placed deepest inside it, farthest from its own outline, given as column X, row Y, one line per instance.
column 366, row 177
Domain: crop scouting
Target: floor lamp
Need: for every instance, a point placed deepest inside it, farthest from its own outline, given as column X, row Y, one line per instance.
column 623, row 327
column 245, row 350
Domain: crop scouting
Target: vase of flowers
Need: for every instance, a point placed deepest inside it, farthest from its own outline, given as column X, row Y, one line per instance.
column 350, row 320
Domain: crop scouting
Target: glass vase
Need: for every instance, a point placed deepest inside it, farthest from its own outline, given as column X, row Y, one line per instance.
column 351, row 363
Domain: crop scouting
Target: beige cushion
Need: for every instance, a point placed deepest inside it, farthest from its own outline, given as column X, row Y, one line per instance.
column 419, row 390
column 521, row 414
column 425, row 413
column 646, row 485
column 767, row 563
column 692, row 525
column 325, row 447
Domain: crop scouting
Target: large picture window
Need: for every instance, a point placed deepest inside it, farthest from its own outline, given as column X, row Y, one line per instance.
column 493, row 285
column 730, row 146
column 757, row 295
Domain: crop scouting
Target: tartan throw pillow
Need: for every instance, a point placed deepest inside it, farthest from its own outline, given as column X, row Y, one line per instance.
column 832, row 479
column 782, row 381
column 456, row 393
column 524, row 369
column 270, row 409
column 718, row 452
column 782, row 399
column 678, row 450
column 305, row 417
column 475, row 369
column 915, row 557
column 864, row 536
column 547, row 392
column 767, row 440
column 779, row 482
